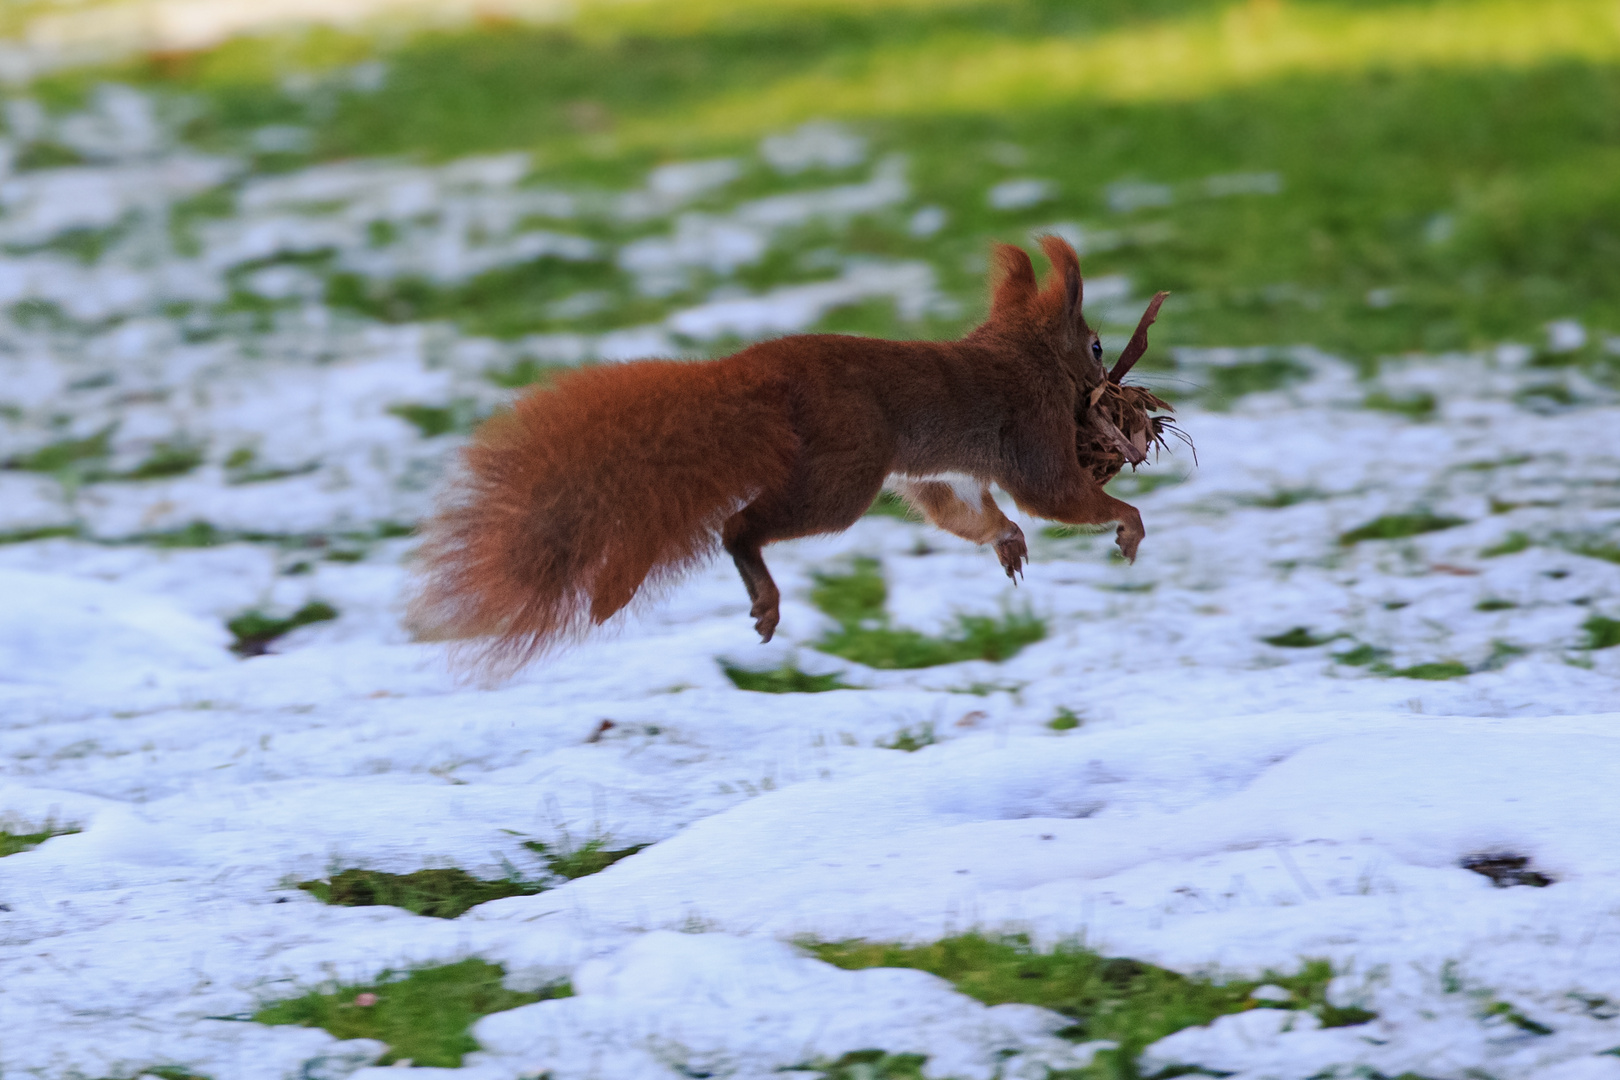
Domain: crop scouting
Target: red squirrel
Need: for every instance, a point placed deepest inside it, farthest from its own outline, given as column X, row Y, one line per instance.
column 622, row 476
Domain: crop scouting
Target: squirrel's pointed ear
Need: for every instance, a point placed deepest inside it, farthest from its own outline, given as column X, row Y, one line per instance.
column 1064, row 286
column 1012, row 279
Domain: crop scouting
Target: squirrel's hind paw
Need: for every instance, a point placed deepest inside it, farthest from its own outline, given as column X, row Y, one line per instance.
column 1012, row 551
column 766, row 616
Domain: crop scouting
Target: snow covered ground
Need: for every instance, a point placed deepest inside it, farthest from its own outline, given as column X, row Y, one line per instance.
column 1224, row 805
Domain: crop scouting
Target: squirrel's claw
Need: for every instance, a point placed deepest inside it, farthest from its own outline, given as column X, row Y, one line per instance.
column 1012, row 551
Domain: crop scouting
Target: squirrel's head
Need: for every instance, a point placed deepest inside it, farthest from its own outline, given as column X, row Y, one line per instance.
column 1045, row 317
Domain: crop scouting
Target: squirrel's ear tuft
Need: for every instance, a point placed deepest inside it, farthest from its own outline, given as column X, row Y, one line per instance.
column 1012, row 280
column 1064, row 290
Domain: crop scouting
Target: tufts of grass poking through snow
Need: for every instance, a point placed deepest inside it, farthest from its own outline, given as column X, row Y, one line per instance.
column 856, row 598
column 1602, row 632
column 255, row 631
column 440, row 894
column 868, row 1065
column 424, row 1016
column 786, row 679
column 591, row 857
column 911, row 741
column 1300, row 637
column 20, row 837
column 1399, row 526
column 1123, row 1000
column 1065, row 720
column 448, row 893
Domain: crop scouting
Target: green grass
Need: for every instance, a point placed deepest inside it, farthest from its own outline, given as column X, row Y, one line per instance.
column 86, row 245
column 888, row 504
column 1131, row 484
column 868, row 1065
column 1503, row 463
column 1284, row 498
column 1418, row 406
column 1065, row 720
column 1460, row 160
column 424, row 1016
column 1300, row 637
column 786, row 679
column 985, row 689
column 255, row 631
column 978, row 638
column 1511, row 544
column 459, row 417
column 47, row 155
column 166, row 460
column 591, row 857
column 11, row 843
column 856, row 600
column 1069, row 532
column 1515, row 1017
column 1546, row 398
column 1376, row 660
column 506, row 302
column 1594, row 547
column 245, row 475
column 1114, row 998
column 441, row 894
column 1434, row 671
column 45, row 532
column 1224, row 384
column 1502, row 653
column 528, row 372
column 449, row 893
column 910, row 741
column 1362, row 655
column 1601, row 632
column 67, row 454
column 203, row 534
column 195, row 534
column 1399, row 526
column 1493, row 603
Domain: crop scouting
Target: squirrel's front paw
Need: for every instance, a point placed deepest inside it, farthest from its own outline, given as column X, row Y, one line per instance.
column 1012, row 551
column 1129, row 536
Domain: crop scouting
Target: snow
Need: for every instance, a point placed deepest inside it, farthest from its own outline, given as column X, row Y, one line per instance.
column 1020, row 194
column 1226, row 805
column 816, row 145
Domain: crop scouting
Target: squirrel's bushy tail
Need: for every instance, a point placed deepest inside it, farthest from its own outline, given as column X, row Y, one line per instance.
column 565, row 506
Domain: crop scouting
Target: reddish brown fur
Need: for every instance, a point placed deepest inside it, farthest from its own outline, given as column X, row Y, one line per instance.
column 621, row 475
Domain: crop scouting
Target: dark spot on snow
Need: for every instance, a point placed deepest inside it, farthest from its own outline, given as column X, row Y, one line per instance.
column 1505, row 870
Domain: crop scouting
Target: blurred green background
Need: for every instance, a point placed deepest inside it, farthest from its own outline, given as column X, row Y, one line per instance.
column 1374, row 178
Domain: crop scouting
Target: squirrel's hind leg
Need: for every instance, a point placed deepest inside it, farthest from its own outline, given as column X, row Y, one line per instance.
column 744, row 549
column 824, row 499
column 946, row 508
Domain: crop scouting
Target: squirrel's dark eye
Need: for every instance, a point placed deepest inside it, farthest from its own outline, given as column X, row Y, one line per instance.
column 1096, row 350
